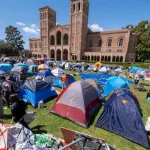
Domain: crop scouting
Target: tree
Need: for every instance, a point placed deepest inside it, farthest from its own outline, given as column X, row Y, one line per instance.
column 14, row 38
column 130, row 26
column 89, row 30
column 5, row 48
column 143, row 48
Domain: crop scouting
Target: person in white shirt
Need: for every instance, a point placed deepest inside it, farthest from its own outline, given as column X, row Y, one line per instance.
column 136, row 80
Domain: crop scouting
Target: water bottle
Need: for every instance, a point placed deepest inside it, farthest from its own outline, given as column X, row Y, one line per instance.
column 40, row 104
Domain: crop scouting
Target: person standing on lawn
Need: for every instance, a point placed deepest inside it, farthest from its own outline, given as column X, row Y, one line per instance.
column 64, row 80
column 136, row 80
column 148, row 95
column 1, row 102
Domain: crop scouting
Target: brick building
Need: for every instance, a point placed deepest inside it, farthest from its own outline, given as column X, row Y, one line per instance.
column 74, row 42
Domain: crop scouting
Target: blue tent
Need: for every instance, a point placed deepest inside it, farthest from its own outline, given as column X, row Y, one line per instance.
column 21, row 65
column 58, row 82
column 5, row 67
column 122, row 116
column 30, row 70
column 115, row 83
column 133, row 69
column 34, row 91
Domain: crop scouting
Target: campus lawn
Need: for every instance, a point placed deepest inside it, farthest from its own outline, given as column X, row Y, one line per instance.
column 50, row 123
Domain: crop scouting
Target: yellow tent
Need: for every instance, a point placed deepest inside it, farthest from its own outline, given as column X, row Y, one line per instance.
column 98, row 64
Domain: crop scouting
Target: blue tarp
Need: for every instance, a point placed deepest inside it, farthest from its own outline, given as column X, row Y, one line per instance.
column 115, row 83
column 100, row 78
column 133, row 69
column 122, row 116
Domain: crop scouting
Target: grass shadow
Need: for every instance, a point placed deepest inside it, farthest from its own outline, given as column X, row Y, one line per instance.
column 7, row 116
column 37, row 129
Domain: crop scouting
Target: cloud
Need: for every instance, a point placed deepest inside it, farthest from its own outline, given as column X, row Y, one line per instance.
column 20, row 24
column 32, row 29
column 95, row 28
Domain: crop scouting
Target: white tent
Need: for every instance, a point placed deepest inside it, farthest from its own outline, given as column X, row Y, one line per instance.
column 67, row 65
column 118, row 70
column 103, row 69
column 58, row 72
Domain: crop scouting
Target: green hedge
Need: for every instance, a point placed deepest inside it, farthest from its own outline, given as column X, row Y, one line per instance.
column 125, row 64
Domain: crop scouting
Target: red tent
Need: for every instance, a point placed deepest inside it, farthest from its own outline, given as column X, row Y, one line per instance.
column 148, row 74
column 77, row 102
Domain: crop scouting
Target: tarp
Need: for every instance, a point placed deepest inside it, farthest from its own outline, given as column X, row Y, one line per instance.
column 118, row 70
column 35, row 85
column 21, row 65
column 100, row 78
column 77, row 102
column 5, row 67
column 17, row 69
column 115, row 83
column 133, row 69
column 122, row 116
column 2, row 73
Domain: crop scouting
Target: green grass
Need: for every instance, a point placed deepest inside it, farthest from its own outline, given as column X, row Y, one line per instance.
column 50, row 123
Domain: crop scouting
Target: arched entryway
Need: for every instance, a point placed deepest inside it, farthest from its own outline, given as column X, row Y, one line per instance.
column 65, row 39
column 117, row 59
column 82, row 57
column 52, row 54
column 97, row 58
column 114, row 59
column 105, row 58
column 58, row 38
column 75, row 57
column 65, row 54
column 92, row 58
column 88, row 57
column 72, row 57
column 85, row 57
column 102, row 58
column 121, row 58
column 58, row 56
column 109, row 58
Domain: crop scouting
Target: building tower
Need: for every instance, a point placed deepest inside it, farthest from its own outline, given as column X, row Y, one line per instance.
column 78, row 27
column 47, row 22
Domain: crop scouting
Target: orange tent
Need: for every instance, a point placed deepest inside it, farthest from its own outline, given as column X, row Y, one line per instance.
column 98, row 64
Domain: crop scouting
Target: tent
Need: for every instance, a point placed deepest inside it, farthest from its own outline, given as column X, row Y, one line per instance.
column 103, row 70
column 2, row 73
column 98, row 64
column 17, row 69
column 34, row 91
column 77, row 102
column 47, row 76
column 67, row 65
column 122, row 116
column 96, row 85
column 30, row 62
column 5, row 67
column 58, row 82
column 21, row 65
column 133, row 69
column 115, row 83
column 43, row 67
column 57, row 72
column 118, row 70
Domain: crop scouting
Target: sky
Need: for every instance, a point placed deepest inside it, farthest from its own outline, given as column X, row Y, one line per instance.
column 103, row 14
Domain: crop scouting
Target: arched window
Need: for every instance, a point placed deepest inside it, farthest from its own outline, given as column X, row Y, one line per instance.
column 58, row 38
column 109, row 42
column 65, row 40
column 74, row 8
column 90, row 43
column 35, row 45
column 99, row 43
column 114, row 59
column 79, row 6
column 52, row 40
column 121, row 42
column 58, row 55
column 65, row 54
column 72, row 57
column 75, row 57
